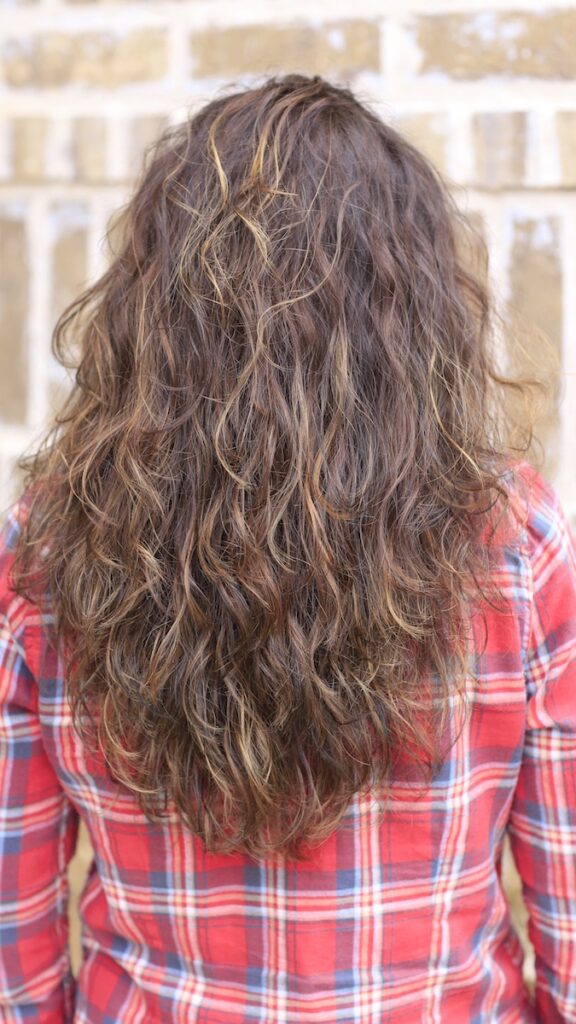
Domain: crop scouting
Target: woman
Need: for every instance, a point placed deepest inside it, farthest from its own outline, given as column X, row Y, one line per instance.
column 285, row 621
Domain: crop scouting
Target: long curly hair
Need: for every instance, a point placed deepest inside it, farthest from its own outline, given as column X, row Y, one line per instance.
column 260, row 519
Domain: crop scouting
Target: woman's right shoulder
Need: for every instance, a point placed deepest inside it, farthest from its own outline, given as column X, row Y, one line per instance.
column 538, row 508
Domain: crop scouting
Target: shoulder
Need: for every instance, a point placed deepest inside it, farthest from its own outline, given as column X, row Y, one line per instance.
column 537, row 509
column 550, row 640
column 548, row 532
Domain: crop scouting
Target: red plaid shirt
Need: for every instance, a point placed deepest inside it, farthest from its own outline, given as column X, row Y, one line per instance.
column 403, row 921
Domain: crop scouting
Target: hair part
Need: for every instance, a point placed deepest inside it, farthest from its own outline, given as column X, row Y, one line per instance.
column 259, row 519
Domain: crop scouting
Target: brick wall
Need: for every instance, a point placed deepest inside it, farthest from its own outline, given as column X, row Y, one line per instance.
column 488, row 92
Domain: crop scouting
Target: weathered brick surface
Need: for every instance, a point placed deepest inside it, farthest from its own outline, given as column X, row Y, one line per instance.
column 14, row 293
column 471, row 245
column 104, row 59
column 536, row 44
column 69, row 222
column 28, row 148
column 87, row 155
column 58, row 390
column 143, row 133
column 429, row 132
column 536, row 317
column 336, row 47
column 536, row 273
column 566, row 129
column 500, row 146
column 89, row 135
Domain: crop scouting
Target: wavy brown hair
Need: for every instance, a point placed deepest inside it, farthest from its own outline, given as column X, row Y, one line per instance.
column 259, row 518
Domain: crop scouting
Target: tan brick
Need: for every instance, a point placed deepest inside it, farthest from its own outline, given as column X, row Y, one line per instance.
column 500, row 149
column 342, row 47
column 29, row 136
column 13, row 315
column 144, row 131
column 69, row 222
column 102, row 59
column 535, row 312
column 58, row 390
column 538, row 44
column 428, row 132
column 566, row 128
column 536, row 273
column 89, row 149
column 471, row 245
column 115, row 234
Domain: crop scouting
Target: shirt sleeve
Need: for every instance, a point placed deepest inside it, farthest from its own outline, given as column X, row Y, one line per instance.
column 542, row 823
column 38, row 832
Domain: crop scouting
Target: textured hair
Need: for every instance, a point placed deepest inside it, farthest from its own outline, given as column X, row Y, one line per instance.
column 260, row 519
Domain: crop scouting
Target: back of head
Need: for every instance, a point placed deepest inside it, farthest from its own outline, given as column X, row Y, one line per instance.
column 259, row 518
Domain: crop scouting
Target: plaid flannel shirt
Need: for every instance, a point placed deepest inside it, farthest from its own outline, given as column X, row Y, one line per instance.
column 399, row 921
